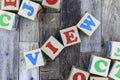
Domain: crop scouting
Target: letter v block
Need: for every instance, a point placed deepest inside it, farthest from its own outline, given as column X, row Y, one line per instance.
column 30, row 9
column 8, row 20
column 78, row 74
column 99, row 66
column 114, row 50
column 88, row 24
column 98, row 78
column 34, row 58
column 70, row 36
column 115, row 71
column 12, row 5
column 52, row 47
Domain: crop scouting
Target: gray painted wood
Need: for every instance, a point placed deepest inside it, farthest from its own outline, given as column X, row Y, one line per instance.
column 25, row 74
column 93, row 43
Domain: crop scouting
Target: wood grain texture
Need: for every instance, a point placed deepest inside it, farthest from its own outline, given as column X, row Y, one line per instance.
column 93, row 43
column 24, row 74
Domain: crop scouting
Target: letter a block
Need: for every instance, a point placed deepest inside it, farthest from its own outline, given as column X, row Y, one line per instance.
column 78, row 74
column 34, row 58
column 52, row 47
column 98, row 78
column 12, row 5
column 70, row 36
column 55, row 4
column 8, row 20
column 115, row 72
column 99, row 66
column 29, row 9
column 88, row 24
column 114, row 50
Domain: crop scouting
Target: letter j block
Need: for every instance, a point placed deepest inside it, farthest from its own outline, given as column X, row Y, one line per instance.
column 88, row 24
column 99, row 66
column 78, row 74
column 34, row 58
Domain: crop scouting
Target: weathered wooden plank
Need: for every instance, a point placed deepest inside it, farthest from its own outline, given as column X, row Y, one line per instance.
column 29, row 30
column 93, row 43
column 24, row 74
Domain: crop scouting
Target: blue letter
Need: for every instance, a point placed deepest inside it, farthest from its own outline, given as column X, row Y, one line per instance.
column 28, row 7
column 87, row 23
column 33, row 60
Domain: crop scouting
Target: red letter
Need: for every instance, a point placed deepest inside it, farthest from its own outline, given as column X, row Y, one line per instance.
column 70, row 37
column 10, row 3
column 50, row 46
column 75, row 77
column 51, row 2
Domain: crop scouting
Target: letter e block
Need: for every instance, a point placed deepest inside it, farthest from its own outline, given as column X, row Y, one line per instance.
column 52, row 47
column 78, row 74
column 98, row 78
column 34, row 58
column 88, row 24
column 99, row 66
column 70, row 36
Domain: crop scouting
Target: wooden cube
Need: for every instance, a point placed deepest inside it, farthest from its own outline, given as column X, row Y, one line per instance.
column 52, row 47
column 98, row 78
column 70, row 36
column 30, row 9
column 78, row 74
column 34, row 58
column 114, row 50
column 115, row 71
column 8, row 20
column 55, row 4
column 12, row 5
column 88, row 24
column 36, row 0
column 99, row 66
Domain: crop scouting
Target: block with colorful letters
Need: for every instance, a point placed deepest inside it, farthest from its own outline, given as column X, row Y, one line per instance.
column 78, row 74
column 52, row 47
column 114, row 50
column 12, row 5
column 34, row 58
column 70, row 36
column 29, row 9
column 88, row 24
column 8, row 20
column 115, row 71
column 98, row 78
column 99, row 66
column 55, row 4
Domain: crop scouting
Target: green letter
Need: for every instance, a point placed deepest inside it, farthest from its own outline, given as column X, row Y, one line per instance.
column 118, row 73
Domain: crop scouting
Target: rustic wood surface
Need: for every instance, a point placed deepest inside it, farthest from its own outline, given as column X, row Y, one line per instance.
column 33, row 34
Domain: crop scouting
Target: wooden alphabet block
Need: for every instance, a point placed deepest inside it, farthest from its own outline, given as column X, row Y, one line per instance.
column 78, row 74
column 99, row 66
column 34, row 58
column 114, row 50
column 55, row 4
column 8, row 20
column 98, row 78
column 115, row 71
column 12, row 5
column 52, row 47
column 88, row 24
column 30, row 9
column 70, row 36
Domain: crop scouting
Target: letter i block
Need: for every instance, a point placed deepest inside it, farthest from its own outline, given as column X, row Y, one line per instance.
column 70, row 36
column 78, row 74
column 88, row 24
column 34, row 58
column 52, row 47
column 55, row 4
column 114, row 50
column 98, row 78
column 29, row 9
column 115, row 71
column 99, row 66
column 8, row 20
column 12, row 5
